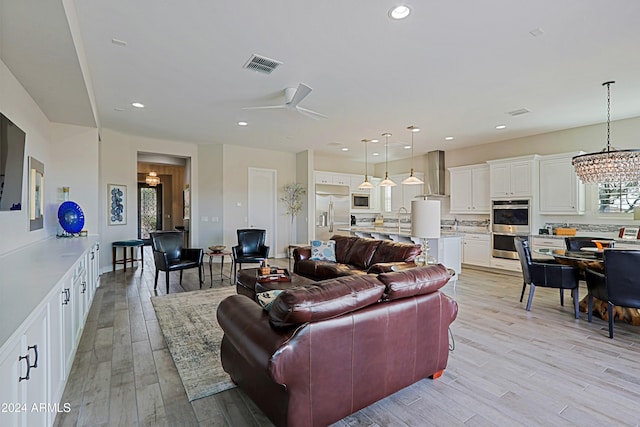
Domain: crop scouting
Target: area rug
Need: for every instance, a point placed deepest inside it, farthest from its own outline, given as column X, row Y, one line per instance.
column 190, row 328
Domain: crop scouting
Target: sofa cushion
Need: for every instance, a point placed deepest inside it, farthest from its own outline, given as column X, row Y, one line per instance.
column 343, row 245
column 415, row 281
column 361, row 252
column 323, row 251
column 389, row 251
column 325, row 300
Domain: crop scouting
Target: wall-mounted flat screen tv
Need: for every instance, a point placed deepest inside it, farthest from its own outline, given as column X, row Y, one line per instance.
column 12, row 140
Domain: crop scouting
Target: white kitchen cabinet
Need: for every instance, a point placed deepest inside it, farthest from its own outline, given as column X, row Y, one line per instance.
column 469, row 189
column 322, row 177
column 561, row 191
column 446, row 250
column 511, row 178
column 537, row 242
column 506, row 264
column 401, row 194
column 476, row 249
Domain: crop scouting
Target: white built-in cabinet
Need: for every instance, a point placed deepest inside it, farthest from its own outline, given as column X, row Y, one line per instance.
column 476, row 249
column 353, row 181
column 469, row 189
column 401, row 194
column 332, row 178
column 48, row 288
column 514, row 177
column 561, row 191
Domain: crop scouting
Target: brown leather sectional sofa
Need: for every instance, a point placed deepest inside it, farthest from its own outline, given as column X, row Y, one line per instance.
column 328, row 349
column 356, row 255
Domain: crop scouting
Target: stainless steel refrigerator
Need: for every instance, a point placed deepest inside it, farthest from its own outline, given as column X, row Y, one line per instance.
column 332, row 210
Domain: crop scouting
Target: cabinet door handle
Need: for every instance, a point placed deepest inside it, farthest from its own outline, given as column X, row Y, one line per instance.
column 26, row 377
column 84, row 287
column 67, row 296
column 93, row 255
column 35, row 351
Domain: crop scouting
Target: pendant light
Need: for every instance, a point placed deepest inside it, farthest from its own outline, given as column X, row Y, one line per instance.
column 152, row 179
column 387, row 182
column 609, row 165
column 412, row 180
column 365, row 184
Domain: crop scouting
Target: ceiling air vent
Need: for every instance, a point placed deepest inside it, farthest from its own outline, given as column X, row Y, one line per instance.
column 518, row 112
column 261, row 64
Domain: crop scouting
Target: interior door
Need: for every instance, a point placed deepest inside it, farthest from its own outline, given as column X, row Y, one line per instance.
column 262, row 204
column 149, row 209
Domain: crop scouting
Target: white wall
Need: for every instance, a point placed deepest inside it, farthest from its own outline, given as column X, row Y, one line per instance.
column 69, row 154
column 237, row 161
column 118, row 165
column 211, row 218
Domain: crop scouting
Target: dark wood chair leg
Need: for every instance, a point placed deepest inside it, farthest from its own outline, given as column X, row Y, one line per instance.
column 113, row 257
column 166, row 275
column 142, row 257
column 200, row 268
column 611, row 315
column 155, row 285
column 562, row 297
column 590, row 308
column 524, row 286
column 576, row 302
column 532, row 290
column 181, row 277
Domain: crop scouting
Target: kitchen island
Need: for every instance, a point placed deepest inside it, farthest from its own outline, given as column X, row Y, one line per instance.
column 446, row 249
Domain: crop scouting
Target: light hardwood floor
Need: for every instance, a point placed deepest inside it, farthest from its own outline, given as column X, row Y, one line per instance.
column 509, row 367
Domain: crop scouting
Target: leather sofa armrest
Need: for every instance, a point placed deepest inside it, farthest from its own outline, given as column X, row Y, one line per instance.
column 246, row 325
column 302, row 252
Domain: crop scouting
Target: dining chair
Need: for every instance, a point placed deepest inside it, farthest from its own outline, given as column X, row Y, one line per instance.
column 169, row 255
column 250, row 248
column 577, row 243
column 619, row 285
column 546, row 273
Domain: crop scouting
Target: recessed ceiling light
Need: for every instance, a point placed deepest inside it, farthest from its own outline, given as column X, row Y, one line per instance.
column 137, row 104
column 407, row 147
column 501, row 127
column 344, row 149
column 448, row 138
column 375, row 154
column 400, row 12
column 242, row 123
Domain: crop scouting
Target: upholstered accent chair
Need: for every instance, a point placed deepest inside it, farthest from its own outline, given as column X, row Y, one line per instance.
column 250, row 248
column 546, row 274
column 169, row 255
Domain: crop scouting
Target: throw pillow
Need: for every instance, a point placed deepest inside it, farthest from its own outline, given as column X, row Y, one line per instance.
column 266, row 299
column 323, row 251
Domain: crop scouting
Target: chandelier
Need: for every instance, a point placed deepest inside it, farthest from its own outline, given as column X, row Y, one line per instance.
column 152, row 179
column 609, row 165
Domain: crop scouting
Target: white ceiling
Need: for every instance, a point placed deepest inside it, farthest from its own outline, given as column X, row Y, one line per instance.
column 454, row 67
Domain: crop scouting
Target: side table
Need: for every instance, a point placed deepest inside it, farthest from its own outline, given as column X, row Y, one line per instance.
column 220, row 255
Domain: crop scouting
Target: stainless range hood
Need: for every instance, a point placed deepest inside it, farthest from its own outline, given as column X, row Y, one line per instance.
column 434, row 182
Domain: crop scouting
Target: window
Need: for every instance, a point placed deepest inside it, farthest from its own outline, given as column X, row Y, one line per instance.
column 618, row 198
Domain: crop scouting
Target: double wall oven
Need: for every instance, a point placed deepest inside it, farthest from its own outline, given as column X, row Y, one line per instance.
column 510, row 218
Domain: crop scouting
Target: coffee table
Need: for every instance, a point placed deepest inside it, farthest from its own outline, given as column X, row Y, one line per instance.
column 247, row 283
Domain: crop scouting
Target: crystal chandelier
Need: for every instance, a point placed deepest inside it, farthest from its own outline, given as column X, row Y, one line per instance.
column 152, row 179
column 412, row 180
column 387, row 182
column 365, row 184
column 609, row 165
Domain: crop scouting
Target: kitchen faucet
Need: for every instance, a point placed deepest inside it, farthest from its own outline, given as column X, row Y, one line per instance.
column 399, row 211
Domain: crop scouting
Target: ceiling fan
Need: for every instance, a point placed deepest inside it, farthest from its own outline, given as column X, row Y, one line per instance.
column 293, row 97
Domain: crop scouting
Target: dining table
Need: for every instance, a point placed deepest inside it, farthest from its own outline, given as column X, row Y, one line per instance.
column 592, row 258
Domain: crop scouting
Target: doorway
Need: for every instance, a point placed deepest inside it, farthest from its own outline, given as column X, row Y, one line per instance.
column 149, row 209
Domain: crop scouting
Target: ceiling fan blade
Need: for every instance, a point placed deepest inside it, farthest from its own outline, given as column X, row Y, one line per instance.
column 266, row 107
column 311, row 113
column 302, row 91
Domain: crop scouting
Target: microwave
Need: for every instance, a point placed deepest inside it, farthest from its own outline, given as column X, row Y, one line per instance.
column 360, row 201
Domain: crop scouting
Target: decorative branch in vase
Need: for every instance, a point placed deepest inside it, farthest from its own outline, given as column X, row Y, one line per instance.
column 293, row 200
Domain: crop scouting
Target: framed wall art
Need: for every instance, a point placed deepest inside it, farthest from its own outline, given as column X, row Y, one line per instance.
column 117, row 204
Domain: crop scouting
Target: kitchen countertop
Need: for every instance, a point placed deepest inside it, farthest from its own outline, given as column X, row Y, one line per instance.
column 617, row 240
column 404, row 231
